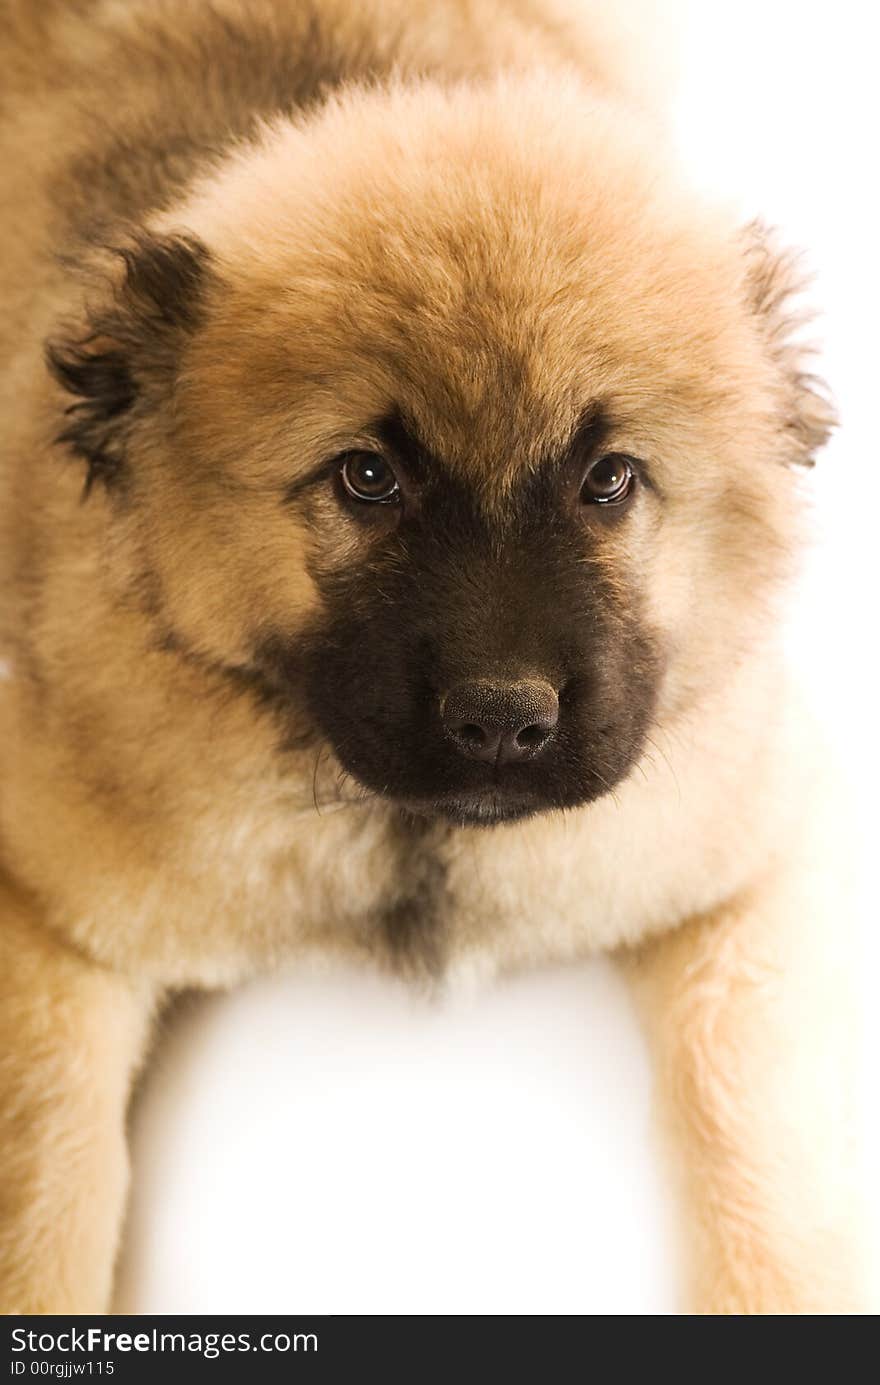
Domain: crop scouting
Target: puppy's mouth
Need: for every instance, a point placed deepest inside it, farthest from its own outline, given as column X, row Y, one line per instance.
column 487, row 808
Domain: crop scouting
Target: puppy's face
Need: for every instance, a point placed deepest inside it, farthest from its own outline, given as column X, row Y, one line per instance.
column 465, row 441
column 473, row 655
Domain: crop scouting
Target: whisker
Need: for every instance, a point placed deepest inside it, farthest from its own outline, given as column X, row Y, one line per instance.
column 669, row 765
column 315, row 779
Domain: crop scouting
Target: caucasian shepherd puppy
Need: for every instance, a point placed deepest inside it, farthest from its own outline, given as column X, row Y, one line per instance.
column 400, row 468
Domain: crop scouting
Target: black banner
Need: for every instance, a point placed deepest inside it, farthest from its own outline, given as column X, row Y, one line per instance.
column 134, row 1349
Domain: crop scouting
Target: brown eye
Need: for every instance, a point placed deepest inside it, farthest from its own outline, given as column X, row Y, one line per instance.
column 367, row 476
column 608, row 480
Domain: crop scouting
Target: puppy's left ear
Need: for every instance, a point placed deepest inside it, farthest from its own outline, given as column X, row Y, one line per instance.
column 774, row 281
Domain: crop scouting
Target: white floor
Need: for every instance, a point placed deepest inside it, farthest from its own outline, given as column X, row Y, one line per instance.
column 332, row 1143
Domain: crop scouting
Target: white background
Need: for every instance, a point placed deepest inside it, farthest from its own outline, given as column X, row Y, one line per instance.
column 335, row 1144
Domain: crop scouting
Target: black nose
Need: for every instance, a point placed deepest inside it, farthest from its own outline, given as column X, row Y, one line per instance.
column 500, row 722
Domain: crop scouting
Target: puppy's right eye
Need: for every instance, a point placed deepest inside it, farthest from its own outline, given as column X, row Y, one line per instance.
column 368, row 478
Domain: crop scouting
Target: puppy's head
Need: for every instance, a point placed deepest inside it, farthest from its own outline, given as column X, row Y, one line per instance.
column 457, row 430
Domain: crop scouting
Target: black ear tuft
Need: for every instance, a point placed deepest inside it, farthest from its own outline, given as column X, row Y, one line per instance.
column 127, row 357
column 98, row 376
column 165, row 276
column 774, row 282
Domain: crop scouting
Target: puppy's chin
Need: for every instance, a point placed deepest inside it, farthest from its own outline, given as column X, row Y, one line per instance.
column 490, row 808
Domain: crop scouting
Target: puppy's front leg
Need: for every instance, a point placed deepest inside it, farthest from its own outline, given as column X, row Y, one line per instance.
column 752, row 1025
column 71, row 1034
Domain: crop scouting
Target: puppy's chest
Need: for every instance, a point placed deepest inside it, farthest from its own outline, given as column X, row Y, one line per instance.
column 426, row 899
column 272, row 872
column 370, row 883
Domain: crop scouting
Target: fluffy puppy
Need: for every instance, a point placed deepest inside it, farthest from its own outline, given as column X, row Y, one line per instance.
column 394, row 450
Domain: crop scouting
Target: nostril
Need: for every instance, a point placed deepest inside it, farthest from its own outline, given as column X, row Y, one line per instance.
column 531, row 737
column 471, row 733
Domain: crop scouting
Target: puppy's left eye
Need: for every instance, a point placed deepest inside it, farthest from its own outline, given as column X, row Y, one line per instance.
column 609, row 479
column 368, row 477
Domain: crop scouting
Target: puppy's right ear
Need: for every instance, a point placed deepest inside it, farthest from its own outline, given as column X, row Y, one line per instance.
column 125, row 361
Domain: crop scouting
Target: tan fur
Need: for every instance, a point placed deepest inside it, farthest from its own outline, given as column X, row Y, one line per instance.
column 71, row 1035
column 486, row 186
column 744, row 1009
